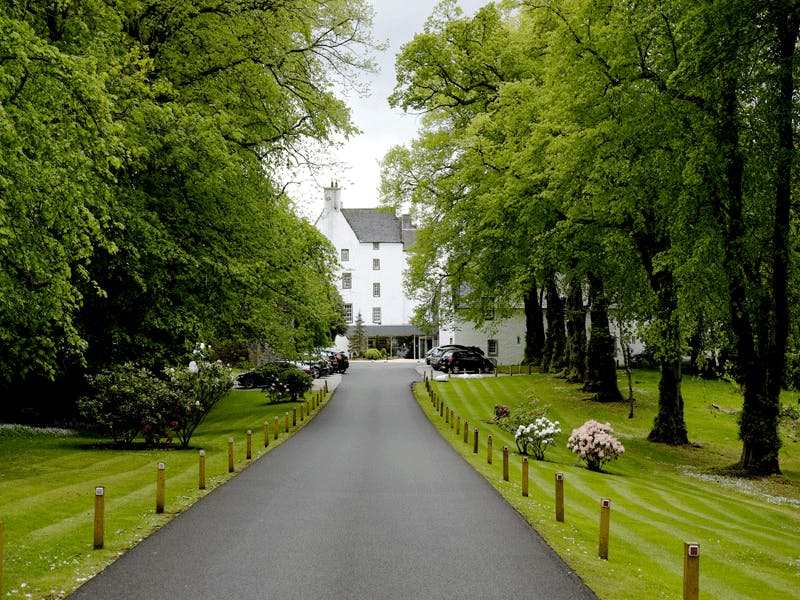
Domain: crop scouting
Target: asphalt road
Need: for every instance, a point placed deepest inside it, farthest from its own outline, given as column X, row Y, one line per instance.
column 366, row 501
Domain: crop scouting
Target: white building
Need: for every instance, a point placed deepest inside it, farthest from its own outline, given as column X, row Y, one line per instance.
column 501, row 340
column 372, row 245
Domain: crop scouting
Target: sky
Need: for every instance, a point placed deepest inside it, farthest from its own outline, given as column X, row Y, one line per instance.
column 396, row 22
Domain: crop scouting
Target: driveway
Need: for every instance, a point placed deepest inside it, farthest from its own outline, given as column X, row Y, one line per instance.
column 366, row 501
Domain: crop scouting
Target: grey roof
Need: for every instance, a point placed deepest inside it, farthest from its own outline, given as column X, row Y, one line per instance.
column 387, row 330
column 373, row 225
column 376, row 225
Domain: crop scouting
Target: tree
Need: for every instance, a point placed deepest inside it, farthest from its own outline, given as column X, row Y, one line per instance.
column 147, row 144
column 358, row 341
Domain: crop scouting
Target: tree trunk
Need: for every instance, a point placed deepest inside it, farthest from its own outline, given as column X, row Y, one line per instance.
column 669, row 426
column 534, row 327
column 554, row 359
column 576, row 333
column 762, row 365
column 601, row 366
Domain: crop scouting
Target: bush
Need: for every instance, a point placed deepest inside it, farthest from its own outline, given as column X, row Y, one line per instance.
column 193, row 392
column 595, row 444
column 129, row 401
column 372, row 354
column 500, row 412
column 535, row 437
column 524, row 414
column 126, row 398
column 285, row 383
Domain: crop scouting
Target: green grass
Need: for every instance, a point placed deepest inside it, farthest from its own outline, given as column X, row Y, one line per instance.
column 661, row 496
column 48, row 480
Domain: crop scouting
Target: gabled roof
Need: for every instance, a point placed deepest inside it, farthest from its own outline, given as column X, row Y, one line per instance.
column 373, row 225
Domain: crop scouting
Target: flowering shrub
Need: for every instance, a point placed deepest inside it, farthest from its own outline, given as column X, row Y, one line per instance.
column 595, row 444
column 284, row 383
column 535, row 437
column 500, row 412
column 128, row 401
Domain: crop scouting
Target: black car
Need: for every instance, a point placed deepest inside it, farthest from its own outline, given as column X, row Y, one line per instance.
column 338, row 361
column 465, row 361
column 435, row 356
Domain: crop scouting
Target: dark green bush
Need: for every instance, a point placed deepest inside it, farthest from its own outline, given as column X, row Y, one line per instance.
column 285, row 383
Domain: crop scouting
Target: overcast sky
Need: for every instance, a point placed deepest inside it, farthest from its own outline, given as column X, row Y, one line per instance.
column 396, row 21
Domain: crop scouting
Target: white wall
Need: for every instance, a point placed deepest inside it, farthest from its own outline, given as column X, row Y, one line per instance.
column 509, row 333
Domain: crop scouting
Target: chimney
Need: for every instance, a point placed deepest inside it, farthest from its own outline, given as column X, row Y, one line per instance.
column 333, row 198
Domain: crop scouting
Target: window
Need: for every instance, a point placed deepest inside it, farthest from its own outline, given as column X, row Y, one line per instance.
column 347, row 281
column 376, row 245
column 492, row 347
column 348, row 313
column 376, row 264
column 345, row 254
column 376, row 290
column 376, row 315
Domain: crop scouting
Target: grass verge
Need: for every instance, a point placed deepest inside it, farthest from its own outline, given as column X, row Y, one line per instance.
column 661, row 496
column 48, row 480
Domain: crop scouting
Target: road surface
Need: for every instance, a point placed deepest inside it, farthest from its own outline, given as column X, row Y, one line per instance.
column 366, row 501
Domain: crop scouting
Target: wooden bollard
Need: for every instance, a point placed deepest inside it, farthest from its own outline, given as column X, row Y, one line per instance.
column 286, row 425
column 301, row 412
column 605, row 520
column 691, row 571
column 452, row 419
column 560, row 497
column 475, row 441
column 160, row 483
column 441, row 409
column 99, row 516
column 466, row 430
column 308, row 408
column 446, row 415
column 266, row 434
column 294, row 416
column 458, row 425
column 201, row 483
column 325, row 387
column 249, row 444
column 230, row 455
column 525, row 476
column 489, row 449
column 276, row 428
column 505, row 463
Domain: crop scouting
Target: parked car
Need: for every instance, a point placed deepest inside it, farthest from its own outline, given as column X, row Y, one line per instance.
column 436, row 353
column 465, row 361
column 338, row 361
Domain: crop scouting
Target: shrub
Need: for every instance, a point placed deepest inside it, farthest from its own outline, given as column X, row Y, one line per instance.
column 523, row 415
column 372, row 354
column 129, row 401
column 125, row 398
column 500, row 412
column 193, row 392
column 285, row 383
column 535, row 437
column 595, row 444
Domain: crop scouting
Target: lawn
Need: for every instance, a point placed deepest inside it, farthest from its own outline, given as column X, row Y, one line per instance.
column 661, row 496
column 48, row 481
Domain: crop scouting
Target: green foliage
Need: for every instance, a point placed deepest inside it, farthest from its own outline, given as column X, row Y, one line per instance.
column 523, row 414
column 126, row 400
column 372, row 354
column 146, row 151
column 130, row 400
column 284, row 382
column 193, row 392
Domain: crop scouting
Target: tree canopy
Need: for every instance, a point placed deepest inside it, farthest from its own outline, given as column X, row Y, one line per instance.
column 637, row 155
column 145, row 149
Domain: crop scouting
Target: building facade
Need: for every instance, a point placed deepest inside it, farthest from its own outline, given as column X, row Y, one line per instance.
column 372, row 245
